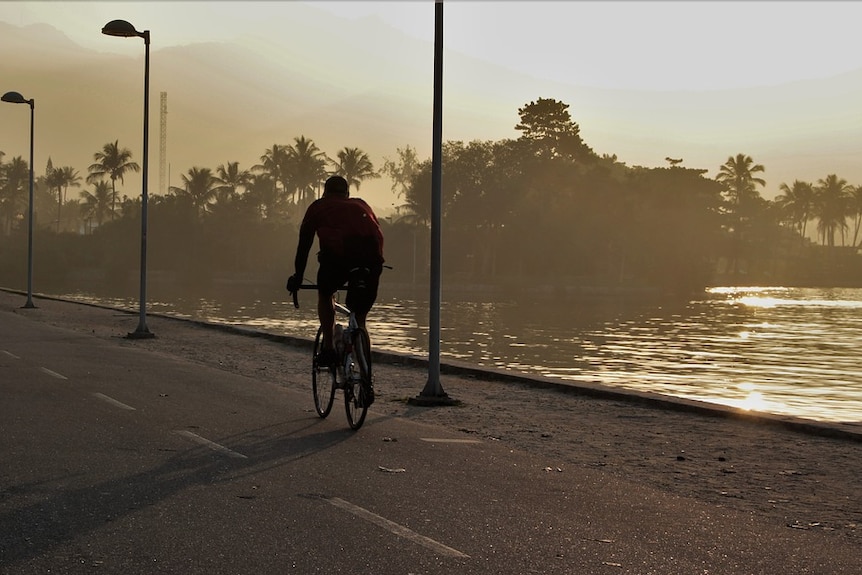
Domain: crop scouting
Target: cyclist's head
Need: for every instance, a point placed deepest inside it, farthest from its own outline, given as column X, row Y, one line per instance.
column 336, row 186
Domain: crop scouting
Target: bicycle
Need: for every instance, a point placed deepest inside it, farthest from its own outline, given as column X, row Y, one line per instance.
column 352, row 370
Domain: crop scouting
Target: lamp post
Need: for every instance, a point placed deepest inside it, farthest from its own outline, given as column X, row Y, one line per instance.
column 124, row 29
column 432, row 394
column 16, row 98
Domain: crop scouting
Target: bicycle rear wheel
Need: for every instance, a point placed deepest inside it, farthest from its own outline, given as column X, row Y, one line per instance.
column 323, row 381
column 356, row 400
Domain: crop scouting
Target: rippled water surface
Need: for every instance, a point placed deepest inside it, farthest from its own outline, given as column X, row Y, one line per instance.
column 779, row 350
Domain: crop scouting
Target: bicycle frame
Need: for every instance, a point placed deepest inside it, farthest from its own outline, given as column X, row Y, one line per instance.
column 345, row 356
column 352, row 373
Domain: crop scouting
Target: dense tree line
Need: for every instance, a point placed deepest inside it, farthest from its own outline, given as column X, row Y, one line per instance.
column 540, row 209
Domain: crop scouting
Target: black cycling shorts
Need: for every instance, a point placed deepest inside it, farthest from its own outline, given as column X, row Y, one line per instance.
column 362, row 286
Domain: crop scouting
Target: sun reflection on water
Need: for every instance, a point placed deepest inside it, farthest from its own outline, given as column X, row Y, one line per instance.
column 754, row 400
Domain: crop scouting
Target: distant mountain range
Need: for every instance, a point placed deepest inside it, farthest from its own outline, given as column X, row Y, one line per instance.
column 232, row 101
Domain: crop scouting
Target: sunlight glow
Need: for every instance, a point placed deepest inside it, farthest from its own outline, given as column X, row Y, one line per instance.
column 764, row 302
column 754, row 402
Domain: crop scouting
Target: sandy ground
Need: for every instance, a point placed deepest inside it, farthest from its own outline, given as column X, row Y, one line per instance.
column 799, row 479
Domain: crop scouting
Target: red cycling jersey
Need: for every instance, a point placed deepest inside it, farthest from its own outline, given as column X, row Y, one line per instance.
column 347, row 229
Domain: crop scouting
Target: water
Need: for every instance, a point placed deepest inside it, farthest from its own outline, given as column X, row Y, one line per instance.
column 777, row 350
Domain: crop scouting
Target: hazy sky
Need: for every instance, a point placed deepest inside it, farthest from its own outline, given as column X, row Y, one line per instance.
column 682, row 44
column 662, row 47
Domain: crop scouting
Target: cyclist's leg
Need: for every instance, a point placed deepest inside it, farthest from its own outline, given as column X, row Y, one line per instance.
column 326, row 314
column 328, row 282
column 360, row 300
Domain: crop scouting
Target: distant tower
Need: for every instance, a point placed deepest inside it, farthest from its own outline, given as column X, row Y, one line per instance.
column 163, row 143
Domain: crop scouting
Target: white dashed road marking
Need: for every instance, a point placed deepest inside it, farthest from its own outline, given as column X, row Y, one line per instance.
column 52, row 373
column 12, row 355
column 395, row 528
column 441, row 440
column 210, row 444
column 113, row 401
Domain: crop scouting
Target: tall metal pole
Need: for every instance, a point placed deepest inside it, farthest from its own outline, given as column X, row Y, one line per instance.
column 142, row 331
column 17, row 98
column 433, row 393
column 30, row 303
column 124, row 29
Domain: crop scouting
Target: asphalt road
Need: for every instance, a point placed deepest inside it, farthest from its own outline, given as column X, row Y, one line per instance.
column 115, row 459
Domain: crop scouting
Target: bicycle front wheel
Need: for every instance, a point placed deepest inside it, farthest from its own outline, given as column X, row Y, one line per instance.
column 323, row 381
column 356, row 390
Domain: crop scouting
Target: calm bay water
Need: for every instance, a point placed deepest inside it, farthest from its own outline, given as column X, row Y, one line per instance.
column 778, row 350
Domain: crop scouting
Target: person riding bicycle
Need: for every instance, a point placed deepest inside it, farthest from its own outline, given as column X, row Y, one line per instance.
column 350, row 242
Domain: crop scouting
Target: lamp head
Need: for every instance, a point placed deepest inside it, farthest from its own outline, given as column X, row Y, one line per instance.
column 14, row 98
column 120, row 28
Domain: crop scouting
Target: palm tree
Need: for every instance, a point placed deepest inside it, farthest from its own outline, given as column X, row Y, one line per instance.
column 199, row 188
column 262, row 194
column 60, row 179
column 738, row 176
column 70, row 177
column 229, row 177
column 97, row 204
column 796, row 203
column 112, row 162
column 354, row 165
column 273, row 164
column 856, row 212
column 831, row 207
column 306, row 165
column 16, row 178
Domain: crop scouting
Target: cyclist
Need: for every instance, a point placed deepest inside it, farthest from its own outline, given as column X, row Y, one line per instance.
column 350, row 239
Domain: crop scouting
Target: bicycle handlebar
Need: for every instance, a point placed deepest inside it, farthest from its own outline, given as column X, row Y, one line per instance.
column 296, row 293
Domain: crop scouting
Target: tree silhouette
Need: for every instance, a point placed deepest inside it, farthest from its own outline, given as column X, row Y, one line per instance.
column 306, row 165
column 262, row 193
column 831, row 207
column 273, row 164
column 548, row 124
column 199, row 188
column 229, row 178
column 97, row 204
column 60, row 179
column 354, row 165
column 14, row 181
column 855, row 205
column 796, row 203
column 738, row 176
column 402, row 170
column 112, row 162
column 540, row 205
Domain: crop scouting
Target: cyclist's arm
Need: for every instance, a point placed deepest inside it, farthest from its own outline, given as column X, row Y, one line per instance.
column 306, row 239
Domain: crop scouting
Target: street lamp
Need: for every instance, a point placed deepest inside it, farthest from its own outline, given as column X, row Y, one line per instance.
column 432, row 394
column 16, row 98
column 124, row 29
